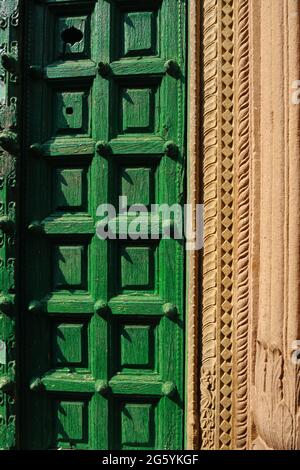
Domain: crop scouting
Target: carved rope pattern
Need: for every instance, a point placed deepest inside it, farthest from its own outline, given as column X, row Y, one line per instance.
column 242, row 225
column 210, row 144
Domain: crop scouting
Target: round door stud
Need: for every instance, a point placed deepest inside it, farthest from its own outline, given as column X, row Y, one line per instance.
column 6, row 304
column 9, row 62
column 6, row 384
column 172, row 68
column 36, row 72
column 104, row 69
column 169, row 389
column 35, row 306
column 9, row 142
column 35, row 227
column 102, row 148
column 171, row 149
column 36, row 385
column 6, row 224
column 101, row 308
column 102, row 387
column 36, row 150
column 170, row 310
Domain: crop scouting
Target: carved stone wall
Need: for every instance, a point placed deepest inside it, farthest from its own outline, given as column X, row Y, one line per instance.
column 225, row 149
column 249, row 134
column 276, row 316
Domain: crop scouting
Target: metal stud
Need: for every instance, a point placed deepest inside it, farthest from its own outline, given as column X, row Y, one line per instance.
column 6, row 304
column 101, row 308
column 102, row 387
column 104, row 69
column 103, row 148
column 9, row 62
column 35, row 227
column 6, row 224
column 172, row 68
column 35, row 306
column 171, row 149
column 9, row 142
column 6, row 384
column 36, row 72
column 170, row 310
column 36, row 385
column 36, row 150
column 169, row 389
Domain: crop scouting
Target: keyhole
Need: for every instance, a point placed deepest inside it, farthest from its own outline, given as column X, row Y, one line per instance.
column 71, row 35
column 69, row 110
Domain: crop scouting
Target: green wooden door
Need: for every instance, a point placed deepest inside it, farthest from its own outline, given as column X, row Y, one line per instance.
column 102, row 321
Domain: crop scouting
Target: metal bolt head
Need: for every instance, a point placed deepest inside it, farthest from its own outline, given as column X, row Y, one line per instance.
column 9, row 142
column 170, row 310
column 36, row 385
column 169, row 389
column 171, row 149
column 101, row 308
column 103, row 148
column 6, row 224
column 35, row 306
column 9, row 62
column 35, row 227
column 102, row 387
column 6, row 304
column 36, row 150
column 6, row 384
column 172, row 68
column 104, row 69
column 36, row 72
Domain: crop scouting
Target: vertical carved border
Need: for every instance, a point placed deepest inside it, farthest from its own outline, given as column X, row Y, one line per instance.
column 209, row 51
column 242, row 371
column 9, row 68
column 226, row 161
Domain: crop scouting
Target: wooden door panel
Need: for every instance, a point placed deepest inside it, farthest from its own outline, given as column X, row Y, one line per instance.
column 103, row 319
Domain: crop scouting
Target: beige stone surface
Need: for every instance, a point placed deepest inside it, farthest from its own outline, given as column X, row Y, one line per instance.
column 247, row 146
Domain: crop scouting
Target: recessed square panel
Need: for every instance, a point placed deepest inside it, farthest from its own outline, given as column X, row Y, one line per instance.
column 137, row 268
column 137, row 425
column 71, row 422
column 69, row 267
column 69, row 345
column 72, row 37
column 69, row 189
column 137, row 185
column 70, row 112
column 137, row 110
column 137, row 345
column 140, row 33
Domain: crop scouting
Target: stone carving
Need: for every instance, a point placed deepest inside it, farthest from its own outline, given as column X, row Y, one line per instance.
column 276, row 399
column 210, row 175
column 243, row 206
column 226, row 217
